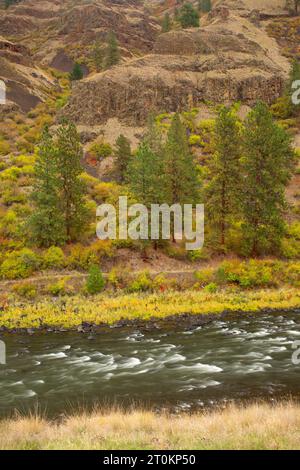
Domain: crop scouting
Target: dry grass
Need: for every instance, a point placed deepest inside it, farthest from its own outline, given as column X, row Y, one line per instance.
column 258, row 426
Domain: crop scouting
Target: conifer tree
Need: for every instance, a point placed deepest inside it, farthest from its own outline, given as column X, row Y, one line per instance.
column 112, row 51
column 153, row 136
column 95, row 281
column 205, row 6
column 183, row 184
column 71, row 187
column 77, row 73
column 46, row 225
column 268, row 162
column 98, row 56
column 188, row 16
column 166, row 23
column 146, row 176
column 224, row 190
column 123, row 156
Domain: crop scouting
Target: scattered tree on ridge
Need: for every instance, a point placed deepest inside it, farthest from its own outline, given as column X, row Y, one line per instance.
column 98, row 56
column 112, row 56
column 77, row 73
column 205, row 6
column 188, row 16
column 166, row 23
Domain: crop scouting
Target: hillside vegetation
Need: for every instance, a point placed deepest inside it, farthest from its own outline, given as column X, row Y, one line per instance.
column 168, row 106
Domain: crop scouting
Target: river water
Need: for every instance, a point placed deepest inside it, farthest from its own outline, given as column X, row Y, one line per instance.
column 242, row 358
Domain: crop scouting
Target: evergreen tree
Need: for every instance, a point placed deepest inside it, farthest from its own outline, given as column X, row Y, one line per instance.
column 123, row 156
column 183, row 184
column 205, row 6
column 268, row 162
column 153, row 137
column 8, row 3
column 71, row 187
column 188, row 16
column 98, row 56
column 46, row 226
column 112, row 51
column 146, row 176
column 77, row 73
column 95, row 281
column 223, row 191
column 166, row 24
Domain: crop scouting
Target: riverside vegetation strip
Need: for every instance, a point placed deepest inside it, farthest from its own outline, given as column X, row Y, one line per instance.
column 258, row 426
column 73, row 312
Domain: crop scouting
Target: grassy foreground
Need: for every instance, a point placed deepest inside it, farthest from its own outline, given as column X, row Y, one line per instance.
column 70, row 312
column 257, row 426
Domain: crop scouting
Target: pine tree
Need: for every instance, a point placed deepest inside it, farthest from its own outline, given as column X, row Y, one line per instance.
column 183, row 184
column 268, row 162
column 205, row 6
column 188, row 16
column 122, row 156
column 77, row 73
column 166, row 23
column 223, row 191
column 153, row 137
column 95, row 281
column 98, row 56
column 46, row 225
column 146, row 179
column 146, row 176
column 112, row 50
column 72, row 190
column 8, row 3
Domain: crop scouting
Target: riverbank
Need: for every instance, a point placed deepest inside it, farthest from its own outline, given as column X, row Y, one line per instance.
column 257, row 426
column 118, row 309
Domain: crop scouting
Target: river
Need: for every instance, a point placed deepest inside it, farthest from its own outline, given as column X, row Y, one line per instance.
column 241, row 358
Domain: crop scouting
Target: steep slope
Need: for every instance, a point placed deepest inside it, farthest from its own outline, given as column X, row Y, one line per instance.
column 47, row 27
column 264, row 7
column 26, row 84
column 59, row 32
column 228, row 59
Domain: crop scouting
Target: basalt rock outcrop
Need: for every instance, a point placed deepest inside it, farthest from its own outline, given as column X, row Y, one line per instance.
column 221, row 62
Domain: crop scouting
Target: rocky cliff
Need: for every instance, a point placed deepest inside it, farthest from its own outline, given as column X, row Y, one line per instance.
column 230, row 57
column 227, row 59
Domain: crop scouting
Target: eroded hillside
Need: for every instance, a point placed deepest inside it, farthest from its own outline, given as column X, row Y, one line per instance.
column 228, row 59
